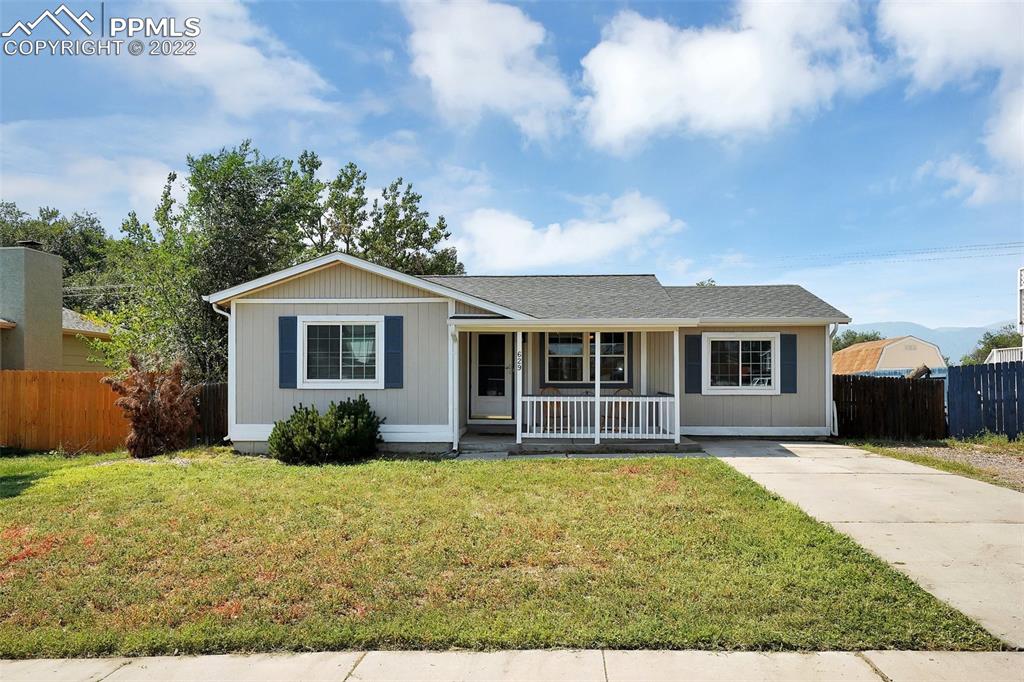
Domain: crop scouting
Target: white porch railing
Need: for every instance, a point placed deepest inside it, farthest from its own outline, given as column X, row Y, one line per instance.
column 1004, row 355
column 633, row 417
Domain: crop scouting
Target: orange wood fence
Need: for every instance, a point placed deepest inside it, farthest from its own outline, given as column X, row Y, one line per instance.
column 47, row 410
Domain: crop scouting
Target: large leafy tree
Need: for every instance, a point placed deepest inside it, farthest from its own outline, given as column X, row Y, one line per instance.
column 1006, row 337
column 395, row 232
column 850, row 337
column 79, row 239
column 246, row 215
column 240, row 220
column 400, row 236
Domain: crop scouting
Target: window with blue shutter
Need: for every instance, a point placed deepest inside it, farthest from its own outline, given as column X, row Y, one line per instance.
column 287, row 350
column 692, row 363
column 787, row 363
column 393, row 360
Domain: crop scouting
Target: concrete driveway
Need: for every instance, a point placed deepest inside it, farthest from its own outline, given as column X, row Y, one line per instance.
column 960, row 539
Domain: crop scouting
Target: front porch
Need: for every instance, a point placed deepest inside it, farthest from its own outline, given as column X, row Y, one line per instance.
column 541, row 386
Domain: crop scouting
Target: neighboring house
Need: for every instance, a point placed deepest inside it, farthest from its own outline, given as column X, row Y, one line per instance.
column 902, row 353
column 437, row 356
column 36, row 331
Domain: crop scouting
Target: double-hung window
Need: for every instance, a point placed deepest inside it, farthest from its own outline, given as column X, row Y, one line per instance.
column 741, row 363
column 571, row 361
column 341, row 351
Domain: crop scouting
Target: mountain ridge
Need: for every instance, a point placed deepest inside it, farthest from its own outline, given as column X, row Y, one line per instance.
column 953, row 342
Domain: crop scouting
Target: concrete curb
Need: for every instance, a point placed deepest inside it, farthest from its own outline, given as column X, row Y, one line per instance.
column 559, row 664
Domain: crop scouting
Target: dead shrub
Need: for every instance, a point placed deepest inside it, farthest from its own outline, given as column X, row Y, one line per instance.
column 159, row 405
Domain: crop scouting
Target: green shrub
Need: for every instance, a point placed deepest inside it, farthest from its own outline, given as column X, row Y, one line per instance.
column 346, row 432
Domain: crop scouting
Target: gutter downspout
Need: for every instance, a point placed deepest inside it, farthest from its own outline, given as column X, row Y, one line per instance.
column 219, row 311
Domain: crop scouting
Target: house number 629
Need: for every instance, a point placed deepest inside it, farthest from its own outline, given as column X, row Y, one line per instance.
column 519, row 360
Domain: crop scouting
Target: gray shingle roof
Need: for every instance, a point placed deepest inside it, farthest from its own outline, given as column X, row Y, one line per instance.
column 73, row 321
column 757, row 301
column 638, row 296
column 568, row 296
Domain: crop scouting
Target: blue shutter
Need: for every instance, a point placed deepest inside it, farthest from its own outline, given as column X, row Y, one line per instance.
column 287, row 348
column 787, row 362
column 692, row 363
column 393, row 351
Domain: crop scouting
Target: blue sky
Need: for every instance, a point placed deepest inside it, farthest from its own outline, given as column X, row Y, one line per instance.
column 814, row 144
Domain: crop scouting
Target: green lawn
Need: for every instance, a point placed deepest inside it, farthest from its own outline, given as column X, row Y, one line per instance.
column 212, row 552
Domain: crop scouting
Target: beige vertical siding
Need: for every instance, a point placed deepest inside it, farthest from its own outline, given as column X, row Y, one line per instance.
column 341, row 281
column 806, row 407
column 659, row 363
column 422, row 400
column 76, row 354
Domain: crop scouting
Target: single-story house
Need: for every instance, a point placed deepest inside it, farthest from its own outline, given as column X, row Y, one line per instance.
column 898, row 353
column 597, row 357
column 36, row 331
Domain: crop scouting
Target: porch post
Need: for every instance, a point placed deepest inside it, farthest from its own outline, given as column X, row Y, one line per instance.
column 678, row 403
column 597, row 386
column 517, row 409
column 643, row 363
column 453, row 382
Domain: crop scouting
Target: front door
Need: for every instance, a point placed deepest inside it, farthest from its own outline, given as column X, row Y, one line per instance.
column 491, row 379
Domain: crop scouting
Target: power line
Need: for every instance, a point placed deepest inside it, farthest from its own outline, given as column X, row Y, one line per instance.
column 999, row 247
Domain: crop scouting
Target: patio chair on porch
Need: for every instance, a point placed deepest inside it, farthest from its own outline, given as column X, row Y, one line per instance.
column 553, row 418
column 618, row 421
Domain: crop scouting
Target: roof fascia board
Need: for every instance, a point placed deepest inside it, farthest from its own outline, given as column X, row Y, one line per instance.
column 67, row 331
column 667, row 324
column 332, row 258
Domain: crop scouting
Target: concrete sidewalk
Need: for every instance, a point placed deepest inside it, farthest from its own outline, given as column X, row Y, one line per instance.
column 960, row 539
column 561, row 665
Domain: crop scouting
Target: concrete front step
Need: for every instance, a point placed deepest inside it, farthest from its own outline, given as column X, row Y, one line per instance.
column 476, row 442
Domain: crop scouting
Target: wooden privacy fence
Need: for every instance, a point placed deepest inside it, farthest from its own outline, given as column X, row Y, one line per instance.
column 986, row 398
column 212, row 425
column 884, row 407
column 75, row 411
column 47, row 410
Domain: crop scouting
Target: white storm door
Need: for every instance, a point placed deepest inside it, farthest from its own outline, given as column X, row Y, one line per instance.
column 491, row 378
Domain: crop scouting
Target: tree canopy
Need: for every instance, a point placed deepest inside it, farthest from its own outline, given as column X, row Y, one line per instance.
column 850, row 337
column 1006, row 337
column 243, row 215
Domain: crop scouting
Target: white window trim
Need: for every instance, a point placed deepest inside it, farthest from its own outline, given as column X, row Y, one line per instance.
column 708, row 389
column 355, row 384
column 587, row 380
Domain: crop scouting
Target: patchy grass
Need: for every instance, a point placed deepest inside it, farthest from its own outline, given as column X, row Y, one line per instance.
column 212, row 552
column 992, row 459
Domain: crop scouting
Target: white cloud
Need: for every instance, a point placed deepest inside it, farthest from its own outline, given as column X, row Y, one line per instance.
column 399, row 149
column 241, row 64
column 943, row 42
column 1005, row 130
column 91, row 183
column 47, row 163
column 483, row 57
column 954, row 42
column 647, row 77
column 969, row 182
column 491, row 240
